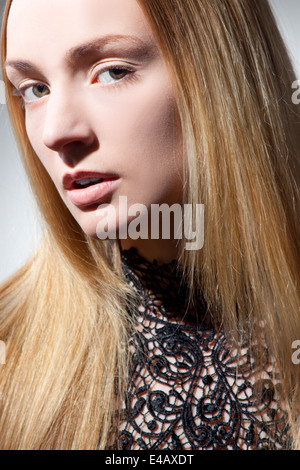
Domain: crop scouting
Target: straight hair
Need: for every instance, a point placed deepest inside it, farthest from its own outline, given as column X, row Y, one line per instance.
column 65, row 316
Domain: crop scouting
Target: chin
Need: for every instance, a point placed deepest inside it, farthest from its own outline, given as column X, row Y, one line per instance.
column 90, row 232
column 88, row 225
column 96, row 231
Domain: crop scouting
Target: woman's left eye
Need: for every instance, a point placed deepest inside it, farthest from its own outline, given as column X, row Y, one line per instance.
column 112, row 75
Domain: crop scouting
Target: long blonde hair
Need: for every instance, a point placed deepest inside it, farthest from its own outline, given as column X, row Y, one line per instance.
column 64, row 315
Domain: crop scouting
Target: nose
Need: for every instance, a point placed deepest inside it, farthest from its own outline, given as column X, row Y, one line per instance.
column 67, row 129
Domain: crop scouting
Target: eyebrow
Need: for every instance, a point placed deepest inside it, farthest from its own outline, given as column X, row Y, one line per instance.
column 78, row 51
column 82, row 50
column 21, row 65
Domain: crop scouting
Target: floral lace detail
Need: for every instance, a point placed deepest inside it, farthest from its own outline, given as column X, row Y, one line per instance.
column 187, row 388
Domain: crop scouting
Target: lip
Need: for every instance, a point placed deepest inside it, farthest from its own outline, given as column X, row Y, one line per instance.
column 93, row 194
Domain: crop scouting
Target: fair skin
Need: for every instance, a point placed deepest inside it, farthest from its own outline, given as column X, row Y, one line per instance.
column 99, row 103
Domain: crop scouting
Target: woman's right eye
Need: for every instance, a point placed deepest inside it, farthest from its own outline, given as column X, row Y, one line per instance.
column 35, row 92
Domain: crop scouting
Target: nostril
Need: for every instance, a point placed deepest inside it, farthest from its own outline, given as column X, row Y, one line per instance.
column 69, row 138
column 74, row 152
column 61, row 138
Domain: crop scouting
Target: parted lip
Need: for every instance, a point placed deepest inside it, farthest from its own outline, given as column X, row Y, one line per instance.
column 69, row 179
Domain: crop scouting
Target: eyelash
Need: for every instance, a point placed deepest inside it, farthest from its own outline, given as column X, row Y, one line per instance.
column 130, row 76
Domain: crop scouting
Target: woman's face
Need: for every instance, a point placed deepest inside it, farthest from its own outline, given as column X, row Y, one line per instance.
column 99, row 103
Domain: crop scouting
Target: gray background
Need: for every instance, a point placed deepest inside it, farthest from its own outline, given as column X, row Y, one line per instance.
column 19, row 229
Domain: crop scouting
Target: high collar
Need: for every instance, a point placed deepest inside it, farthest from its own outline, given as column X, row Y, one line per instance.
column 161, row 287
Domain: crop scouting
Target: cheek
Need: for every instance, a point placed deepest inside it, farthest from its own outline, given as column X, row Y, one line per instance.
column 158, row 136
column 155, row 170
column 34, row 128
column 34, row 131
column 145, row 144
column 157, row 127
column 145, row 128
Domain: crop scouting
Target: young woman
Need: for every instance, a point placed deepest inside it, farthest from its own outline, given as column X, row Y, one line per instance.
column 138, row 342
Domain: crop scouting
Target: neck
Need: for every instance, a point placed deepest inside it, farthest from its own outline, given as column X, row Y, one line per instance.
column 163, row 251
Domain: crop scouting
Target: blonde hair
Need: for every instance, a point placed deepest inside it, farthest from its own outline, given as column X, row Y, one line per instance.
column 64, row 315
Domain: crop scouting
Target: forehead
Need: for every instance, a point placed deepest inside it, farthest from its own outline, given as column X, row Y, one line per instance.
column 41, row 27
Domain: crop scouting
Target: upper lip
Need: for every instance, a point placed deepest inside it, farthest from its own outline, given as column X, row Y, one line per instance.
column 70, row 178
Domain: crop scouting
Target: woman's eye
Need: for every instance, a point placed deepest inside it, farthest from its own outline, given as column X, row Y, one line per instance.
column 112, row 75
column 35, row 92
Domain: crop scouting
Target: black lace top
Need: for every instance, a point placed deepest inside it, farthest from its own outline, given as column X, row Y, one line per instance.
column 187, row 388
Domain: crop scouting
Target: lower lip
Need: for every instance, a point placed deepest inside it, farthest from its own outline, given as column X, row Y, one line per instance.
column 93, row 194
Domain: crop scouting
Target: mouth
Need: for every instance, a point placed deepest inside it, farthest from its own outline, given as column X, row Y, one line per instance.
column 86, row 188
column 85, row 179
column 86, row 182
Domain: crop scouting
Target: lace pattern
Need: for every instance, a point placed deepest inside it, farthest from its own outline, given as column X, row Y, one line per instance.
column 187, row 388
